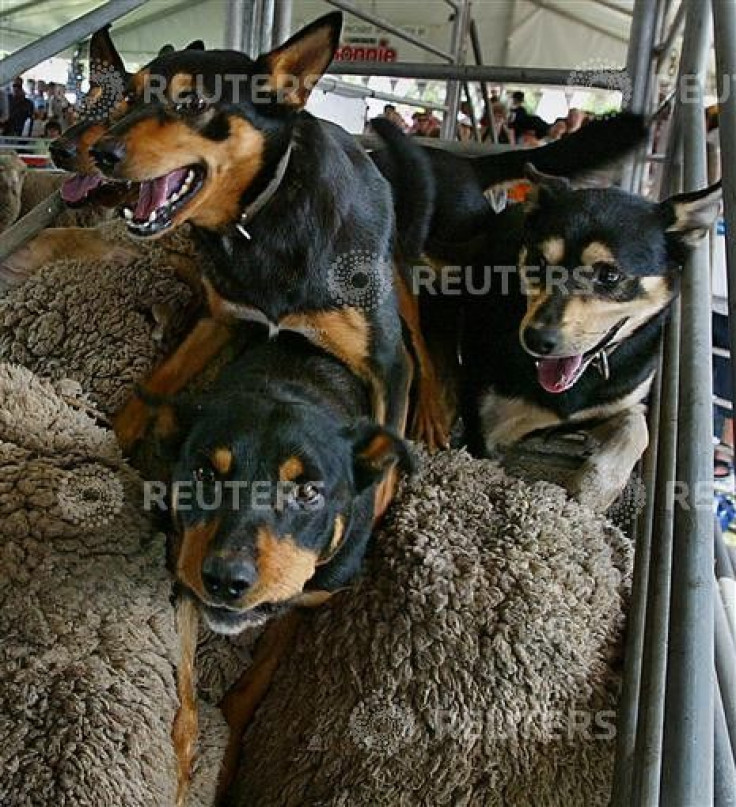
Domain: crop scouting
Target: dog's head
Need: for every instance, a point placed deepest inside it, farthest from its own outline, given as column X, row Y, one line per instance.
column 598, row 264
column 204, row 128
column 265, row 494
column 105, row 101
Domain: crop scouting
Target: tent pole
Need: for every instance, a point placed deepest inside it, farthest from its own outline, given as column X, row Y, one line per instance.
column 74, row 31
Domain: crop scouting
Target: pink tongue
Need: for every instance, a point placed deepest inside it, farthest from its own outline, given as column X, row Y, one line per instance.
column 76, row 188
column 154, row 192
column 558, row 375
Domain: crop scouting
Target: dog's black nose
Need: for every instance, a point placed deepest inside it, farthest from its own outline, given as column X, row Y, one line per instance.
column 227, row 577
column 107, row 153
column 62, row 151
column 541, row 341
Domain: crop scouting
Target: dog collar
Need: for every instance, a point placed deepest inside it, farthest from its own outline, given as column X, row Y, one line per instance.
column 265, row 196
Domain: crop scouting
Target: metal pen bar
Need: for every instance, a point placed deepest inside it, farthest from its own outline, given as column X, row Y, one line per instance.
column 724, row 24
column 724, row 773
column 65, row 36
column 725, row 655
column 650, row 723
column 724, row 567
column 281, row 21
column 626, row 722
column 687, row 776
column 613, row 7
column 452, row 98
column 664, row 47
column 329, row 84
column 473, row 72
column 478, row 56
column 30, row 225
column 379, row 22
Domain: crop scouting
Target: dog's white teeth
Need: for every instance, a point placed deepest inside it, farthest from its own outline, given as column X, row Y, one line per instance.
column 174, row 197
column 152, row 217
column 190, row 177
column 128, row 214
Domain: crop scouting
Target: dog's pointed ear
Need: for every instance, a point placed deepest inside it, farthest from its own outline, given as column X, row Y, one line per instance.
column 689, row 216
column 295, row 67
column 103, row 53
column 545, row 187
column 170, row 421
column 196, row 44
column 164, row 49
column 375, row 451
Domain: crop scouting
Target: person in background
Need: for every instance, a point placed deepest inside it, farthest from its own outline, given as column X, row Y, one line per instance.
column 465, row 129
column 390, row 113
column 20, row 112
column 575, row 120
column 52, row 129
column 518, row 120
column 557, row 130
column 425, row 125
column 58, row 106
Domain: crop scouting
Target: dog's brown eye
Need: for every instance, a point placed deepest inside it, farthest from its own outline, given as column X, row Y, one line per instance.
column 606, row 274
column 204, row 474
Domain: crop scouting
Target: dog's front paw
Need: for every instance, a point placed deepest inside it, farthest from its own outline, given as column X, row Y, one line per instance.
column 130, row 423
column 597, row 486
column 430, row 422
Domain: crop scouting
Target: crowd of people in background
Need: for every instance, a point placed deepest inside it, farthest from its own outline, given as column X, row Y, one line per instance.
column 511, row 124
column 38, row 109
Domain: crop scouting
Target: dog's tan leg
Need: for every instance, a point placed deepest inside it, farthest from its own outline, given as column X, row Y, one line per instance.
column 78, row 243
column 430, row 422
column 184, row 731
column 240, row 703
column 621, row 440
column 206, row 340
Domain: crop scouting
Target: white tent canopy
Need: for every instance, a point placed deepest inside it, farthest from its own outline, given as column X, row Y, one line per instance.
column 539, row 33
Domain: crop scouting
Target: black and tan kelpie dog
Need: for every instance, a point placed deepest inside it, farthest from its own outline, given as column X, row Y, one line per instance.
column 572, row 336
column 299, row 222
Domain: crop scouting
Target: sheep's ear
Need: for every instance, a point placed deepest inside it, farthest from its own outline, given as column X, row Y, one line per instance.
column 545, row 187
column 102, row 52
column 689, row 216
column 296, row 66
column 375, row 451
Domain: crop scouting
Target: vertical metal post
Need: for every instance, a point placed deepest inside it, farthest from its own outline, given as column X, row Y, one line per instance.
column 478, row 56
column 452, row 98
column 266, row 30
column 724, row 26
column 639, row 58
column 236, row 24
column 281, row 22
column 688, row 732
column 627, row 718
column 650, row 723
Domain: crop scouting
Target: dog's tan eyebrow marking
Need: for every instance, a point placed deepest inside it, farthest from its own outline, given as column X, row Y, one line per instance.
column 222, row 460
column 553, row 250
column 597, row 252
column 291, row 469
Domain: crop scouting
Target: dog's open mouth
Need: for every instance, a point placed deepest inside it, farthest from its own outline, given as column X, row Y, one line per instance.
column 81, row 189
column 560, row 373
column 229, row 622
column 160, row 199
